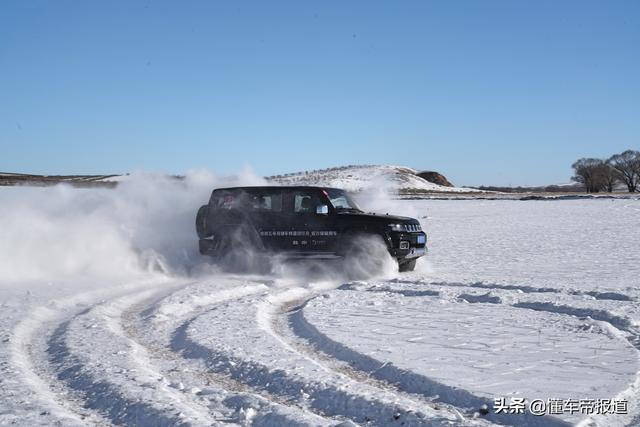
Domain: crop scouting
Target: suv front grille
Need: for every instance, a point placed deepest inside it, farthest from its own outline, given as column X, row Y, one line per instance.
column 412, row 228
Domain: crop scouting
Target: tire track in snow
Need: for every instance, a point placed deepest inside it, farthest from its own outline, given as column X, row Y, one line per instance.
column 28, row 353
column 406, row 380
column 612, row 296
column 47, row 397
column 114, row 374
column 152, row 324
column 617, row 325
column 268, row 363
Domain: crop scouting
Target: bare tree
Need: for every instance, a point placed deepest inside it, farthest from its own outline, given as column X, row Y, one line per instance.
column 589, row 172
column 608, row 176
column 627, row 164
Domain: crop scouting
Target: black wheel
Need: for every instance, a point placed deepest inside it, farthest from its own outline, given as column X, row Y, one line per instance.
column 205, row 246
column 407, row 265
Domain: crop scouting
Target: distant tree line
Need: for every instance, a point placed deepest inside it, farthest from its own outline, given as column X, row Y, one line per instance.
column 603, row 175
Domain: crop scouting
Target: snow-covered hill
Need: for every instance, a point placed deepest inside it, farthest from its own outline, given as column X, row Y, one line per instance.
column 355, row 178
column 394, row 179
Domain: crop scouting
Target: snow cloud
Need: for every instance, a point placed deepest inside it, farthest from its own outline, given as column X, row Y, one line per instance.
column 144, row 224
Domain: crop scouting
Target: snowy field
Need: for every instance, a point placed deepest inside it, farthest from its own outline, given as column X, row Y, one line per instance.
column 109, row 317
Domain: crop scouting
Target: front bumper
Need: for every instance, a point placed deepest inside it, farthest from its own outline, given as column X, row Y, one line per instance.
column 404, row 245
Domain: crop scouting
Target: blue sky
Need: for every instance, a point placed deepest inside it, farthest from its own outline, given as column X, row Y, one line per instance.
column 486, row 92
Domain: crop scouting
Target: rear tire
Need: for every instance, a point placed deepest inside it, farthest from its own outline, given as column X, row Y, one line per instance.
column 241, row 251
column 407, row 266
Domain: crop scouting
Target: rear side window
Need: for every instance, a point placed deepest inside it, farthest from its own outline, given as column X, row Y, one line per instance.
column 270, row 201
column 225, row 199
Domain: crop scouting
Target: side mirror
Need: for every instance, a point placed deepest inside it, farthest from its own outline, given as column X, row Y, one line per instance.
column 322, row 209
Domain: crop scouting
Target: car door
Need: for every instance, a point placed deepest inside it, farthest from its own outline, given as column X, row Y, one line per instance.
column 268, row 217
column 312, row 223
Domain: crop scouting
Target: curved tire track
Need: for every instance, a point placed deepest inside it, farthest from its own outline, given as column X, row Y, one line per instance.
column 406, row 380
column 247, row 405
column 621, row 326
column 91, row 354
column 29, row 353
column 327, row 392
column 323, row 383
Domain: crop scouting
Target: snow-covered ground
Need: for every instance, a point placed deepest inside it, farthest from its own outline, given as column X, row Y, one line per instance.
column 109, row 317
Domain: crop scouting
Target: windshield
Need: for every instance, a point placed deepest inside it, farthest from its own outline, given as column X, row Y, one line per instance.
column 341, row 201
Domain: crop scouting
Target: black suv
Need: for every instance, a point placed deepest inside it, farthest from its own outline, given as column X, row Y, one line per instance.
column 314, row 222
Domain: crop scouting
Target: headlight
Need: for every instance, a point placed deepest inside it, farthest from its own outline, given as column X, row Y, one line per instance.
column 397, row 227
column 405, row 228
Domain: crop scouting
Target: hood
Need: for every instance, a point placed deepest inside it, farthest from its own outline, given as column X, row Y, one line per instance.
column 381, row 218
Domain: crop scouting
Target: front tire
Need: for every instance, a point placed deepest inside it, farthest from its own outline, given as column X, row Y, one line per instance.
column 365, row 255
column 407, row 266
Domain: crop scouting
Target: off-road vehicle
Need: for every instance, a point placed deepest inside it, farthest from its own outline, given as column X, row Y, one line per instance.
column 313, row 222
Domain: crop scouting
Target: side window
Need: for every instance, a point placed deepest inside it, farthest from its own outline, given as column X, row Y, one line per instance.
column 247, row 201
column 266, row 202
column 225, row 199
column 305, row 202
